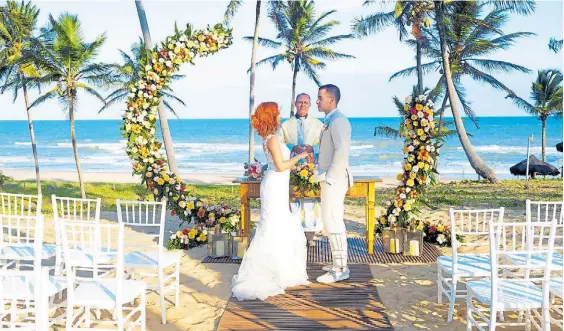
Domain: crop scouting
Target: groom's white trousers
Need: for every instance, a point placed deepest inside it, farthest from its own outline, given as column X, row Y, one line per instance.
column 332, row 215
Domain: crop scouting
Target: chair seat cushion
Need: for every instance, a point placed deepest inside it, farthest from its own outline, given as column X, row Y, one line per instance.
column 86, row 259
column 26, row 252
column 102, row 293
column 518, row 258
column 467, row 265
column 150, row 259
column 510, row 294
column 557, row 287
column 15, row 287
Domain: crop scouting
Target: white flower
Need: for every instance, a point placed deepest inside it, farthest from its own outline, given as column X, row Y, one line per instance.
column 129, row 116
column 392, row 219
column 426, row 129
column 438, row 150
column 182, row 38
column 389, row 203
column 428, row 148
column 205, row 232
column 416, row 142
column 441, row 238
column 154, row 60
column 161, row 60
column 410, row 148
column 408, row 189
column 432, row 148
column 169, row 64
column 148, row 67
column 408, row 99
column 420, row 114
column 403, row 196
column 415, row 168
column 173, row 236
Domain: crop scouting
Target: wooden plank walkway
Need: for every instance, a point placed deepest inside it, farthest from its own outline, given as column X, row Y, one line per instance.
column 350, row 305
column 357, row 254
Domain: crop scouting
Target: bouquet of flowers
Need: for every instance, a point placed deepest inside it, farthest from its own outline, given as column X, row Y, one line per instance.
column 188, row 238
column 255, row 170
column 301, row 177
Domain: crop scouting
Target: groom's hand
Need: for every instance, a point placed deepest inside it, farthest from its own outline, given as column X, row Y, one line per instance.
column 317, row 177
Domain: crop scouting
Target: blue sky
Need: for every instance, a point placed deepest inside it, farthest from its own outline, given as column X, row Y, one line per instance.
column 217, row 86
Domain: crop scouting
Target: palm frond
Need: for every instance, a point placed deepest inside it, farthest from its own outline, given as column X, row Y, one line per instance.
column 386, row 131
column 264, row 42
column 232, row 8
column 495, row 65
column 45, row 97
column 427, row 68
column 555, row 45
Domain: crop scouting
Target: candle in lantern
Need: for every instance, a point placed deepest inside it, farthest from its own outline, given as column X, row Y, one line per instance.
column 394, row 245
column 414, row 248
column 240, row 250
column 220, row 248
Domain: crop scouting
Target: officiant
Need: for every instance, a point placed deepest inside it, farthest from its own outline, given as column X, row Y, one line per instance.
column 302, row 133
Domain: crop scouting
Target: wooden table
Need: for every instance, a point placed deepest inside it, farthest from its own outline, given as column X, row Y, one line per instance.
column 364, row 187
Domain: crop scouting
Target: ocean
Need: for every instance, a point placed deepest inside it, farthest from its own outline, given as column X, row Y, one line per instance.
column 221, row 146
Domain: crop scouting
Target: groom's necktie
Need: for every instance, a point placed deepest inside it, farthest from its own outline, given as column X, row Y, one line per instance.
column 329, row 118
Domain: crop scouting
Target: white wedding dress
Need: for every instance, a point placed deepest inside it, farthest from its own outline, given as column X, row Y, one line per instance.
column 277, row 256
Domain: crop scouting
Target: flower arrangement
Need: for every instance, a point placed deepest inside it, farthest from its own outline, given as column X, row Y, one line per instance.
column 188, row 238
column 421, row 146
column 301, row 179
column 255, row 170
column 141, row 113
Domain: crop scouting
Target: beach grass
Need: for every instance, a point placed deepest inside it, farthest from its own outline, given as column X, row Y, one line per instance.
column 508, row 193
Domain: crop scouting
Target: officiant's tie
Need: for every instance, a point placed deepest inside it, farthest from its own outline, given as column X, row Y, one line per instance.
column 301, row 129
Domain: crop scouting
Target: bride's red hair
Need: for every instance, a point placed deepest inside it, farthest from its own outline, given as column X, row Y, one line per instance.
column 265, row 119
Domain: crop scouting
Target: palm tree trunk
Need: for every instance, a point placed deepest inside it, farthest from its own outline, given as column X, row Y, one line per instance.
column 419, row 68
column 475, row 160
column 167, row 139
column 441, row 124
column 252, row 83
column 74, row 146
column 32, row 135
column 543, row 138
column 296, row 65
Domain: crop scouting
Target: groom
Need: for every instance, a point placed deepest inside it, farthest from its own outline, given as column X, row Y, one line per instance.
column 335, row 178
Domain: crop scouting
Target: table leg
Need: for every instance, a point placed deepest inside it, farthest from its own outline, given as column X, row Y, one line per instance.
column 370, row 202
column 245, row 209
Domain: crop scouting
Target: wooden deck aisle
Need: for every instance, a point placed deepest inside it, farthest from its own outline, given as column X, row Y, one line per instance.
column 350, row 305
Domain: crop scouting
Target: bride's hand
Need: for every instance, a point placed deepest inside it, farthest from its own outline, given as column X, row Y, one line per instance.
column 303, row 155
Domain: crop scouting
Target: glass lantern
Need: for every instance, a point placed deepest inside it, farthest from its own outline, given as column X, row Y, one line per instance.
column 392, row 240
column 218, row 245
column 239, row 244
column 413, row 243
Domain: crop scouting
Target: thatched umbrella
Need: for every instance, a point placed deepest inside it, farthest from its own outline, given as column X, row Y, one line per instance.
column 559, row 147
column 536, row 166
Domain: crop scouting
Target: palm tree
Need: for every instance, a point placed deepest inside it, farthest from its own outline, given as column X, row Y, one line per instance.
column 167, row 138
column 475, row 160
column 229, row 13
column 68, row 62
column 17, row 27
column 470, row 40
column 127, row 74
column 555, row 45
column 546, row 92
column 303, row 37
column 412, row 13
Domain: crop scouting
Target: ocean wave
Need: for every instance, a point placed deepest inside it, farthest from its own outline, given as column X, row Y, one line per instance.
column 19, row 143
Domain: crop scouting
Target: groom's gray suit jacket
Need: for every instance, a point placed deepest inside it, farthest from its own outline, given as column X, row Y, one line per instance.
column 334, row 149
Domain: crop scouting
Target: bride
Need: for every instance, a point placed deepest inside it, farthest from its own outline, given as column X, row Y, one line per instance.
column 276, row 258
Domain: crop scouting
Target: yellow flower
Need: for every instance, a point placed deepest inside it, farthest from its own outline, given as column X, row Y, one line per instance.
column 419, row 107
column 160, row 181
column 136, row 128
column 148, row 174
column 202, row 237
column 405, row 107
column 310, row 179
column 182, row 204
column 441, row 228
column 166, row 177
column 410, row 182
column 420, row 226
column 175, row 198
column 420, row 132
column 415, row 123
column 192, row 234
column 412, row 175
column 222, row 220
column 383, row 220
column 424, row 122
column 421, row 165
column 427, row 167
column 179, row 234
column 178, row 179
column 399, row 177
column 407, row 207
column 311, row 166
column 410, row 158
column 407, row 166
column 191, row 205
column 430, row 112
column 211, row 216
column 405, row 150
column 304, row 173
column 414, row 117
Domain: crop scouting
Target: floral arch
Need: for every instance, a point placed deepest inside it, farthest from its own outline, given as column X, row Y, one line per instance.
column 143, row 146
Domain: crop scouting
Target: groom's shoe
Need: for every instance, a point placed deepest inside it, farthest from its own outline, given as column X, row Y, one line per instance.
column 334, row 275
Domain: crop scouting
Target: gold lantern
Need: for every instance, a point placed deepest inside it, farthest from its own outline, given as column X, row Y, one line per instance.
column 239, row 244
column 413, row 243
column 218, row 244
column 392, row 239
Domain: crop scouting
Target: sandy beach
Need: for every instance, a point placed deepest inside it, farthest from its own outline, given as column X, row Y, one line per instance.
column 408, row 291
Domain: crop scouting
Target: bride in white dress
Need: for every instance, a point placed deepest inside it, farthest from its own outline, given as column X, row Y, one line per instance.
column 277, row 256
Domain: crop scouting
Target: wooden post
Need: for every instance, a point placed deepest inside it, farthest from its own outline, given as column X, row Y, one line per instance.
column 245, row 209
column 370, row 201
